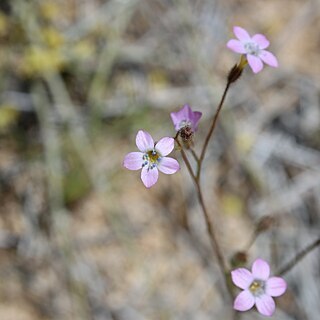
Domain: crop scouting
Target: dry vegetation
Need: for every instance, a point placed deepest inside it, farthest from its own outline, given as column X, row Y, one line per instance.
column 80, row 237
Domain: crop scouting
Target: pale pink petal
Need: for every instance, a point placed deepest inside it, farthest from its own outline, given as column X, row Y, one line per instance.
column 261, row 41
column 179, row 116
column 260, row 269
column 133, row 160
column 149, row 176
column 184, row 112
column 195, row 119
column 242, row 278
column 168, row 165
column 236, row 46
column 268, row 58
column 175, row 120
column 241, row 34
column 190, row 113
column 244, row 301
column 255, row 63
column 144, row 141
column 165, row 146
column 276, row 286
column 265, row 305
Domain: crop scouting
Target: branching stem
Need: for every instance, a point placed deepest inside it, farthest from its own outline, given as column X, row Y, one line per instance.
column 196, row 179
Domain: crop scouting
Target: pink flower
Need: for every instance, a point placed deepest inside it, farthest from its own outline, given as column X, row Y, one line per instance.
column 253, row 47
column 151, row 158
column 186, row 117
column 258, row 288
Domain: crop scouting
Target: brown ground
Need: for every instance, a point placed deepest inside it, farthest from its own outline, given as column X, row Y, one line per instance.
column 80, row 237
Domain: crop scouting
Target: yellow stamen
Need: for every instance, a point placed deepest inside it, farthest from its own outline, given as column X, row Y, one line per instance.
column 153, row 156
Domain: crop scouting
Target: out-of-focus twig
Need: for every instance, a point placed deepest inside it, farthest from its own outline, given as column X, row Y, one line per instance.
column 285, row 269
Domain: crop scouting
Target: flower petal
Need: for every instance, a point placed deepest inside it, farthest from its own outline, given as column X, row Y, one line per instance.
column 144, row 141
column 179, row 116
column 268, row 58
column 241, row 34
column 244, row 301
column 168, row 165
column 195, row 118
column 265, row 305
column 242, row 278
column 255, row 63
column 133, row 160
column 260, row 269
column 165, row 146
column 261, row 41
column 276, row 286
column 174, row 118
column 185, row 111
column 236, row 46
column 149, row 176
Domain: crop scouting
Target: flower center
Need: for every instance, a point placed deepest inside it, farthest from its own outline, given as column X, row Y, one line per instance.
column 151, row 159
column 257, row 287
column 185, row 123
column 252, row 48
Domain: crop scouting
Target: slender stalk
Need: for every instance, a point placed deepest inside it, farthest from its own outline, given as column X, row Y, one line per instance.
column 298, row 257
column 211, row 231
column 194, row 155
column 210, row 227
column 234, row 74
column 186, row 160
column 212, row 127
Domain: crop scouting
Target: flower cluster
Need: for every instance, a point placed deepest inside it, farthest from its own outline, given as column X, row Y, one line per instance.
column 257, row 285
column 153, row 157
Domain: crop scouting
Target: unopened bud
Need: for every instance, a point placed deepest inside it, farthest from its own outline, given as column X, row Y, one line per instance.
column 239, row 259
column 236, row 71
column 265, row 223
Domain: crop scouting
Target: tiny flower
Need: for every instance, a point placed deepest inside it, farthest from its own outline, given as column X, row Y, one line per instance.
column 258, row 288
column 151, row 158
column 185, row 117
column 253, row 47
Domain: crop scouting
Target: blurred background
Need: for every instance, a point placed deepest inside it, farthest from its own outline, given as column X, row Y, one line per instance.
column 80, row 236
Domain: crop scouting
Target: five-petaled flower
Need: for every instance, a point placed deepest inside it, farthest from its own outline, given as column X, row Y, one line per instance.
column 258, row 288
column 151, row 158
column 185, row 117
column 253, row 47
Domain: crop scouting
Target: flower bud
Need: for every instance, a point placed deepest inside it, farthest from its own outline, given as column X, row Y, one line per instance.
column 236, row 71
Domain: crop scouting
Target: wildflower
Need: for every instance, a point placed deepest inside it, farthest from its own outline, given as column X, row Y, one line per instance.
column 258, row 288
column 185, row 117
column 253, row 47
column 151, row 158
column 186, row 123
